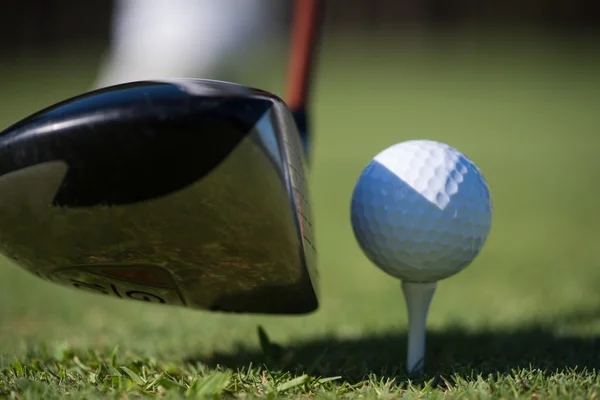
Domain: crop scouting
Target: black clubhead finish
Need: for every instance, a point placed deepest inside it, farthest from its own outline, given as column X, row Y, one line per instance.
column 131, row 143
column 185, row 192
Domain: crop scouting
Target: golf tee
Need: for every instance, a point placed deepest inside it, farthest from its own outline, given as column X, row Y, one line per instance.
column 418, row 297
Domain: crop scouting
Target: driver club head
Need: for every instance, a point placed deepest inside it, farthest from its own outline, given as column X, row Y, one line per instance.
column 185, row 192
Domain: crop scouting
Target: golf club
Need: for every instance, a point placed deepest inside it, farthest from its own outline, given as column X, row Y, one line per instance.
column 185, row 192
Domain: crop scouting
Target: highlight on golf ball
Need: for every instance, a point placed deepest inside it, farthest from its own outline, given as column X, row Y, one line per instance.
column 421, row 211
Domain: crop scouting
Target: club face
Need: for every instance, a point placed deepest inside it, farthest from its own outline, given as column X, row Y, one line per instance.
column 182, row 192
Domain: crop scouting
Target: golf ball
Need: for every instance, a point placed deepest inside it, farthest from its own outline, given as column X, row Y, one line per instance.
column 421, row 211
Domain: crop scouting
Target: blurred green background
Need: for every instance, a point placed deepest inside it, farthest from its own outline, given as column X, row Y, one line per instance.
column 516, row 88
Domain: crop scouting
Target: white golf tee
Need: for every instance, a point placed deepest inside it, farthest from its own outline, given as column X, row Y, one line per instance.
column 418, row 297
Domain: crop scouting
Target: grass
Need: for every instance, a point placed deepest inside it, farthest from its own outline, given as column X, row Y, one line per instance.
column 522, row 321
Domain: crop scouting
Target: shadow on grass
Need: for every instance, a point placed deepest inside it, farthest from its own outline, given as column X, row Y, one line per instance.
column 453, row 351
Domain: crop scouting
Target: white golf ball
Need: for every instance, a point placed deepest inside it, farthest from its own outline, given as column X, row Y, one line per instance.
column 421, row 211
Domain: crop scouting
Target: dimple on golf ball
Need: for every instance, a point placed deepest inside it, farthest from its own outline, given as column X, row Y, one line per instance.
column 421, row 211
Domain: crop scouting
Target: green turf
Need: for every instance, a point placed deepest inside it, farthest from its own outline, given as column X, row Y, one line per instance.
column 522, row 321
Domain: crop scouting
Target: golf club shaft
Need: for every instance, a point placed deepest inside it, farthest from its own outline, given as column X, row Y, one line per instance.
column 305, row 34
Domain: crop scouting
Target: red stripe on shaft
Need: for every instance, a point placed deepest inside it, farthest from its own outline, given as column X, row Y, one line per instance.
column 303, row 42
